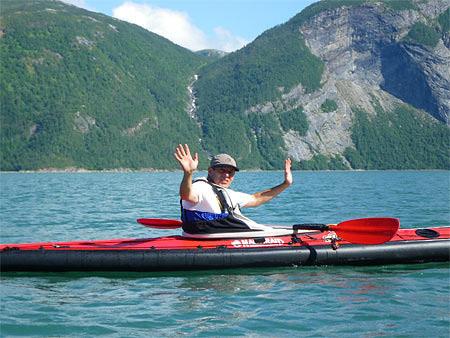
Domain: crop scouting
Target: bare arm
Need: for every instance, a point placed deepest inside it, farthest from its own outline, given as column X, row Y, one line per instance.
column 266, row 195
column 188, row 164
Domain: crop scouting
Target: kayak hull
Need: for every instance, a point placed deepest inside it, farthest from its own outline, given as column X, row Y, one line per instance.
column 148, row 260
column 177, row 253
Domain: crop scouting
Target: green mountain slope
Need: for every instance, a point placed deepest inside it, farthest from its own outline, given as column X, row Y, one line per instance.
column 272, row 64
column 419, row 143
column 82, row 89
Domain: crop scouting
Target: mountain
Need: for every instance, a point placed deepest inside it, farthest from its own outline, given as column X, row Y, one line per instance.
column 81, row 89
column 360, row 84
column 343, row 84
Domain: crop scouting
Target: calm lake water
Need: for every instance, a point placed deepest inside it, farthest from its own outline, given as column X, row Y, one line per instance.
column 400, row 300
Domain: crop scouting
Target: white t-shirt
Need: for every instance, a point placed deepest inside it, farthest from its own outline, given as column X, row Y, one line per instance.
column 208, row 200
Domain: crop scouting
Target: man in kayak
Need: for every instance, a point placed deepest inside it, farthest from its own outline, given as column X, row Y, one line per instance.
column 208, row 206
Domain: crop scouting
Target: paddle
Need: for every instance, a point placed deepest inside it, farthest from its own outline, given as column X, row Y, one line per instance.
column 374, row 230
column 160, row 223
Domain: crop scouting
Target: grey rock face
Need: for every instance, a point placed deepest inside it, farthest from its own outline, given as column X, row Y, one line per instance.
column 418, row 76
column 364, row 44
column 368, row 62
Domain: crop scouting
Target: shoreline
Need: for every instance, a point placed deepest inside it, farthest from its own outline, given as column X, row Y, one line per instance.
column 152, row 170
column 84, row 170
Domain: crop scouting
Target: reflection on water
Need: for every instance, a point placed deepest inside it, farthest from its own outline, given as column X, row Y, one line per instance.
column 237, row 302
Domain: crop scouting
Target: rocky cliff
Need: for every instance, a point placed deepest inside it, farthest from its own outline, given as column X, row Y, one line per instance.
column 367, row 59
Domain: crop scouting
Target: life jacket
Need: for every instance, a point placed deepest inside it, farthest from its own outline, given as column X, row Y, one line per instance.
column 227, row 221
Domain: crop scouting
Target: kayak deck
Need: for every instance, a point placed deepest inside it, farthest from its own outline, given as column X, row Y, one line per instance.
column 180, row 242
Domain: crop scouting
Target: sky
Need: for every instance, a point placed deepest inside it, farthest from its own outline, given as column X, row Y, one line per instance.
column 226, row 25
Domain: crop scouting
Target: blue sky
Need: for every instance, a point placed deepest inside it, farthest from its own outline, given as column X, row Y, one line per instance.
column 201, row 24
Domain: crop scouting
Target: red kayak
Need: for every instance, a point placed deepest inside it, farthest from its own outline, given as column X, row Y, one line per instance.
column 325, row 246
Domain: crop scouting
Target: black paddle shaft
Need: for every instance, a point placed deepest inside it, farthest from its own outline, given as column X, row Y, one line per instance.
column 311, row 226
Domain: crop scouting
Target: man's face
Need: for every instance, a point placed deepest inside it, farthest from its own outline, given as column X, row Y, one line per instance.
column 222, row 176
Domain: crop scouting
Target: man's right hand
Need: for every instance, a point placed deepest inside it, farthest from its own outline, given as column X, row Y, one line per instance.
column 183, row 155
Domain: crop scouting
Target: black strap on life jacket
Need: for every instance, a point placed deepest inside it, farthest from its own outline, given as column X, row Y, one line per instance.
column 224, row 206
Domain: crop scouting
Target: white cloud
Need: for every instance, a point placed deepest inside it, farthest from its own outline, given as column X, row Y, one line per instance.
column 79, row 3
column 228, row 42
column 177, row 27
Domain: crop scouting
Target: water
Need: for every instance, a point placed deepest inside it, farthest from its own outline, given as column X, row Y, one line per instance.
column 399, row 300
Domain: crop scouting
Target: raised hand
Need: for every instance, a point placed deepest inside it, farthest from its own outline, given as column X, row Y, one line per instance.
column 287, row 171
column 183, row 155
